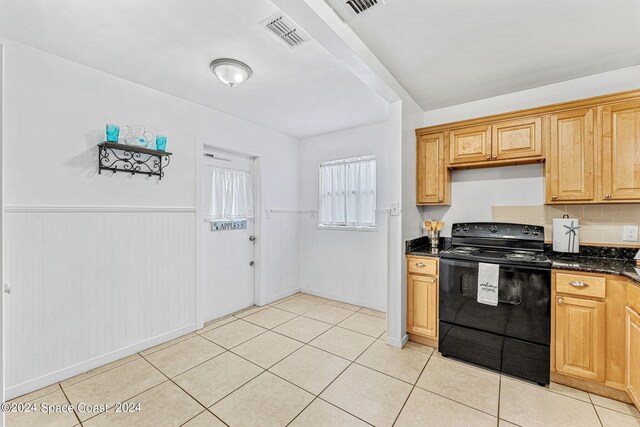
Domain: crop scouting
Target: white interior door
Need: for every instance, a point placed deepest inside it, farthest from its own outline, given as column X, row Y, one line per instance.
column 228, row 255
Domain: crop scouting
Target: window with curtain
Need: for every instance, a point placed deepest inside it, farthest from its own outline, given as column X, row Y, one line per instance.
column 348, row 192
column 228, row 194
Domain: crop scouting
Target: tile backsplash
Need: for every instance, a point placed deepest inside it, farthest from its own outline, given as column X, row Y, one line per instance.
column 598, row 223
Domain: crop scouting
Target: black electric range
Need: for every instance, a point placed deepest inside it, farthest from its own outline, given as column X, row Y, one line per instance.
column 514, row 336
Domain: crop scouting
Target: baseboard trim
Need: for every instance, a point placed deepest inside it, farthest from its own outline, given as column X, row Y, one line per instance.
column 397, row 343
column 71, row 371
column 343, row 299
column 100, row 209
column 280, row 296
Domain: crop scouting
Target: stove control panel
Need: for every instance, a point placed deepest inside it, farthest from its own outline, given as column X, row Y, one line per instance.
column 498, row 230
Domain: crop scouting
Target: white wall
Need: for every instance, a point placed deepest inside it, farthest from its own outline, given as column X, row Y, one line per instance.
column 102, row 266
column 349, row 266
column 475, row 191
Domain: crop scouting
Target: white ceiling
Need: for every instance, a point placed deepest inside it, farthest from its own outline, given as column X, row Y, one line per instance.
column 168, row 45
column 446, row 52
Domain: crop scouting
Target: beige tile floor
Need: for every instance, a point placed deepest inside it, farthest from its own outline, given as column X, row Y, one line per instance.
column 308, row 361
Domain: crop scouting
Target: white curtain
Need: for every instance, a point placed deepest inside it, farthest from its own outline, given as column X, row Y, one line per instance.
column 348, row 192
column 228, row 194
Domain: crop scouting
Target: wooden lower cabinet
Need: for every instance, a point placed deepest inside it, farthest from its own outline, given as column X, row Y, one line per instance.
column 580, row 337
column 422, row 303
column 633, row 356
column 595, row 334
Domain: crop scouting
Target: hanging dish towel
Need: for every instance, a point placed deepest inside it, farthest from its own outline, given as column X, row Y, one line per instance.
column 488, row 275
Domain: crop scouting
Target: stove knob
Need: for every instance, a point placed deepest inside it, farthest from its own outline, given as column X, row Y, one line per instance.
column 493, row 229
column 526, row 230
column 536, row 232
column 465, row 228
column 457, row 228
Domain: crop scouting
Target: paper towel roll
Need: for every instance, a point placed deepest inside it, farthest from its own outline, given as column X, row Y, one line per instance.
column 566, row 235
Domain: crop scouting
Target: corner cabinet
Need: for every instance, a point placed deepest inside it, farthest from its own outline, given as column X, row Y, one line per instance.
column 422, row 300
column 633, row 356
column 432, row 176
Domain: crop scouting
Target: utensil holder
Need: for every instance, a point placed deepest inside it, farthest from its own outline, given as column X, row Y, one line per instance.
column 434, row 238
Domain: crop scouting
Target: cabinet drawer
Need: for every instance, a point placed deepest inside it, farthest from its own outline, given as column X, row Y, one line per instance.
column 574, row 284
column 421, row 265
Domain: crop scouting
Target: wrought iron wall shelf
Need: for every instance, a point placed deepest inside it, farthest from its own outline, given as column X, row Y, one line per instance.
column 128, row 158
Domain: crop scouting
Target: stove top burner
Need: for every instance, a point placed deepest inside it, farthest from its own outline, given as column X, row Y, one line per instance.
column 466, row 250
column 520, row 255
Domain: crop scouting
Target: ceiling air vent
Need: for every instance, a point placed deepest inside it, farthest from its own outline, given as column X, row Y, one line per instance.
column 359, row 6
column 287, row 31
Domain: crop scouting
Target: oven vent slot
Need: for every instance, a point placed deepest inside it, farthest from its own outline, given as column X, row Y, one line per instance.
column 287, row 31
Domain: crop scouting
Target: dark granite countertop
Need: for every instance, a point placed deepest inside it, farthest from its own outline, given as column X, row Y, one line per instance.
column 421, row 246
column 621, row 267
column 591, row 259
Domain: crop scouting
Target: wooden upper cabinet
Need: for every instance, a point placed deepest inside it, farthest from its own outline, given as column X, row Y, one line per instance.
column 580, row 337
column 469, row 145
column 432, row 175
column 621, row 152
column 517, row 139
column 570, row 157
column 633, row 355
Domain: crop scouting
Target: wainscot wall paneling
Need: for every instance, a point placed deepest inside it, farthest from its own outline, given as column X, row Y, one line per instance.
column 91, row 285
column 345, row 265
column 279, row 258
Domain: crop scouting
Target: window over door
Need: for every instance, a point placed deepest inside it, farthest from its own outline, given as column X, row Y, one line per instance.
column 348, row 193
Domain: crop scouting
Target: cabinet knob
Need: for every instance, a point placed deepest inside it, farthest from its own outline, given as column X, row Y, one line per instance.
column 554, row 197
column 419, row 264
column 495, row 157
column 607, row 196
column 440, row 200
column 488, row 156
column 560, row 301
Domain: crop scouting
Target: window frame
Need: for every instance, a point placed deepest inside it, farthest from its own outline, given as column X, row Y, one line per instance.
column 349, row 227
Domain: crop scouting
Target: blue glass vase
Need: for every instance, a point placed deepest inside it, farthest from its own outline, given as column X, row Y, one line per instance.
column 113, row 132
column 161, row 142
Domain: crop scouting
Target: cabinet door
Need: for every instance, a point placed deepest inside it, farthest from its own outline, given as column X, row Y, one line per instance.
column 422, row 305
column 580, row 338
column 633, row 356
column 517, row 139
column 431, row 173
column 470, row 145
column 621, row 152
column 569, row 166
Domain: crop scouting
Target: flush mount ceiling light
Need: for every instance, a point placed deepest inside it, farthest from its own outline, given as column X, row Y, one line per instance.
column 230, row 72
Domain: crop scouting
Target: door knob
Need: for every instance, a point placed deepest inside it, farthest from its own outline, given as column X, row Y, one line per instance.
column 7, row 288
column 252, row 263
column 252, row 238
